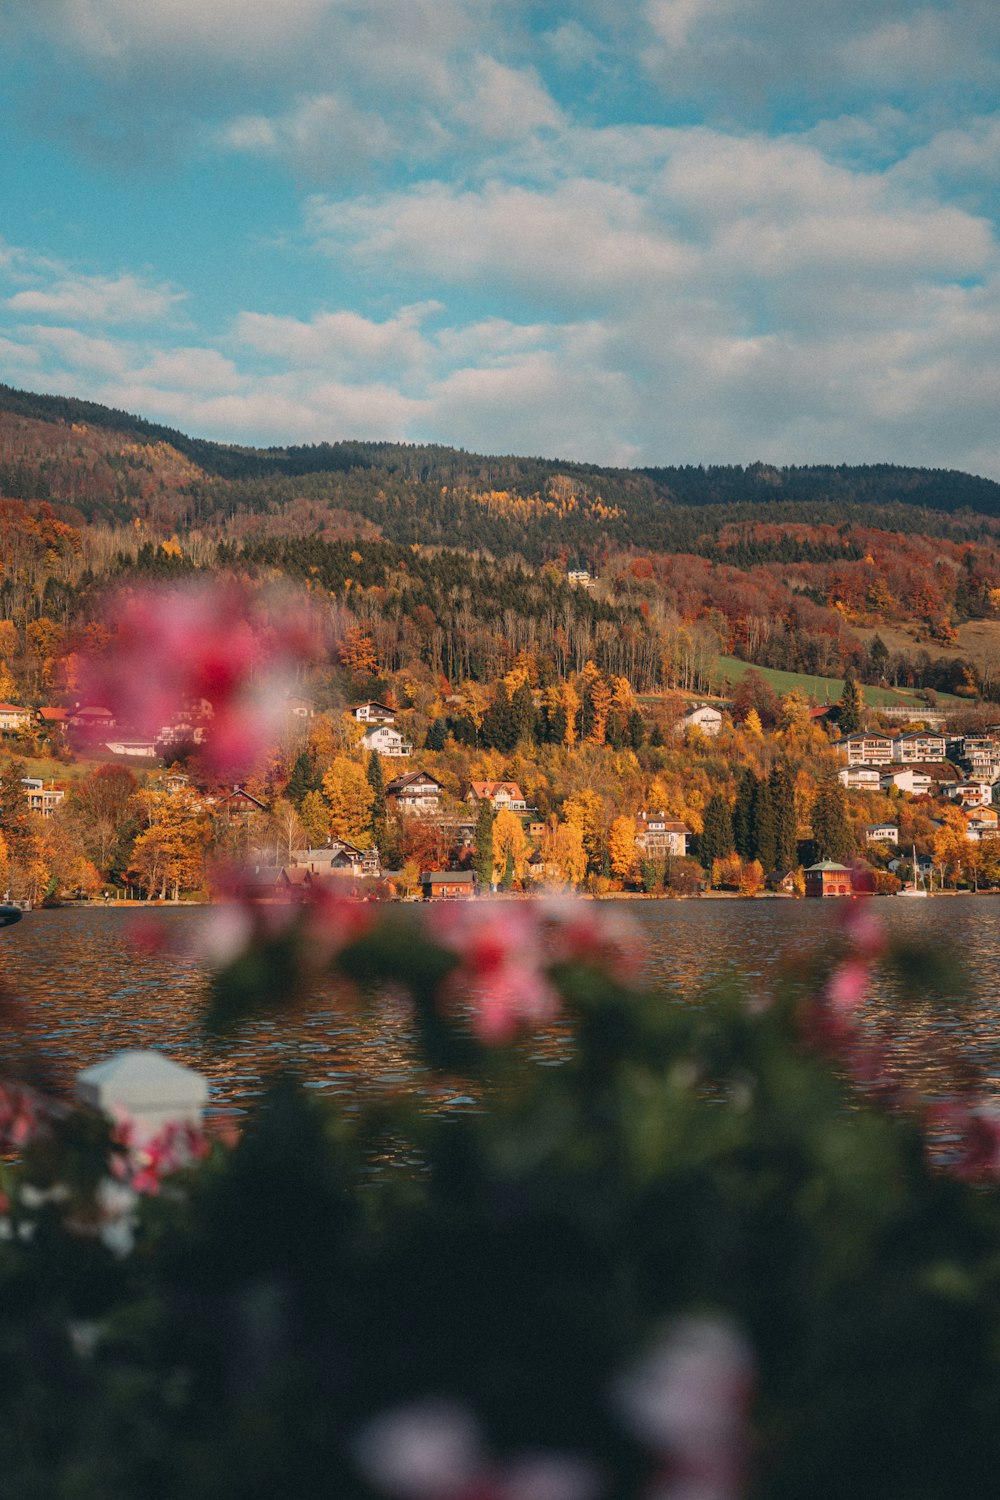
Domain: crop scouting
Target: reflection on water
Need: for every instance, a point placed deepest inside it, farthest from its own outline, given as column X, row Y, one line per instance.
column 90, row 993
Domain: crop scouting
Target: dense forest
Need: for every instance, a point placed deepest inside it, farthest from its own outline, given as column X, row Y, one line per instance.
column 459, row 563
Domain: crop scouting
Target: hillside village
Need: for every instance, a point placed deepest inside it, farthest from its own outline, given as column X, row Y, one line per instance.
column 583, row 786
column 532, row 675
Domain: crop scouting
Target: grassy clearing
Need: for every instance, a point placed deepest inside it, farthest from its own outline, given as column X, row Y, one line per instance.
column 825, row 689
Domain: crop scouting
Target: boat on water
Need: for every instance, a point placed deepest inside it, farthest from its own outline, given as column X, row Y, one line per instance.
column 9, row 915
column 914, row 889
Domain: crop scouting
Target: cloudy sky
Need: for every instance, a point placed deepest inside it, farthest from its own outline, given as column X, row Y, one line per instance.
column 664, row 231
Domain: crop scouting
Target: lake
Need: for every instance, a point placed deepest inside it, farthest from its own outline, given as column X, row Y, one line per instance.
column 89, row 993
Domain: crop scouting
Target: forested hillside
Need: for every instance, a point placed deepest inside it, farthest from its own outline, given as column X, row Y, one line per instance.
column 459, row 563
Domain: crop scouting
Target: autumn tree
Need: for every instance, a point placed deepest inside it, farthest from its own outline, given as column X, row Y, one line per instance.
column 349, row 798
column 510, row 844
column 168, row 855
column 621, row 846
column 357, row 653
column 563, row 855
column 314, row 815
column 102, row 809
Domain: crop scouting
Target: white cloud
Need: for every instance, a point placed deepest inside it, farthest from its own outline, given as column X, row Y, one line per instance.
column 506, row 103
column 98, row 299
column 339, row 341
column 237, row 29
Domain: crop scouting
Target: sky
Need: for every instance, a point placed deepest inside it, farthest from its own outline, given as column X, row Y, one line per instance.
column 643, row 232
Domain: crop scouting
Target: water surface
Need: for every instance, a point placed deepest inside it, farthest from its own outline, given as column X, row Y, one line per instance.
column 89, row 993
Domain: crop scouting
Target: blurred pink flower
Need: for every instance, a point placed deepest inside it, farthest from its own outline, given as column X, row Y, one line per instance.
column 143, row 1164
column 23, row 1112
column 584, row 932
column 176, row 648
column 847, row 986
column 433, row 1450
column 502, row 968
column 689, row 1402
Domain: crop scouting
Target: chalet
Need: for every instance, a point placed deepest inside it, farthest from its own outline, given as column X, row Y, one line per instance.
column 42, row 799
column 881, row 833
column 922, row 747
column 910, row 779
column 499, row 794
column 13, row 718
column 860, row 778
column 239, row 803
column 387, row 740
column 453, row 885
column 580, row 577
column 374, row 713
column 337, row 858
column 782, row 882
column 51, row 717
column 867, row 749
column 657, row 835
column 828, row 879
column 416, row 792
column 704, row 718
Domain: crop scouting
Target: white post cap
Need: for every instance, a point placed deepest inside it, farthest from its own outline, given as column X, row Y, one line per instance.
column 149, row 1087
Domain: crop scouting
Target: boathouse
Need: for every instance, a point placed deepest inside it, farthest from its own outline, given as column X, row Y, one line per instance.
column 828, row 879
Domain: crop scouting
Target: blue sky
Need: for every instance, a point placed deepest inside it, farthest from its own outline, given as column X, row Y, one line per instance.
column 672, row 231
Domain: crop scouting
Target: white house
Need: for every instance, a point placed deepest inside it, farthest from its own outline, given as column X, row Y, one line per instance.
column 13, row 717
column 908, row 779
column 881, row 833
column 867, row 749
column 971, row 793
column 501, row 795
column 921, row 747
column 860, row 778
column 657, row 835
column 415, row 792
column 703, row 717
column 374, row 713
column 41, row 798
column 387, row 740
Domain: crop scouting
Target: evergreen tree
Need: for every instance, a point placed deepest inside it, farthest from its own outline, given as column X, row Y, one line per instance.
column 743, row 815
column 785, row 832
column 483, row 846
column 636, row 729
column 437, row 734
column 831, row 829
column 716, row 839
column 764, row 827
column 376, row 781
column 850, row 706
column 499, row 732
column 507, row 878
column 301, row 780
column 523, row 713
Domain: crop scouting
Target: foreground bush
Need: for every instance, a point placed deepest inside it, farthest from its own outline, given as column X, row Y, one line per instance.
column 681, row 1249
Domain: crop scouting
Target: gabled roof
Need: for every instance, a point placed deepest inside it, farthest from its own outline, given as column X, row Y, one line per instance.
column 400, row 783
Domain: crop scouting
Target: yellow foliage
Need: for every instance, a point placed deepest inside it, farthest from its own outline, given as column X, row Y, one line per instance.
column 621, row 845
